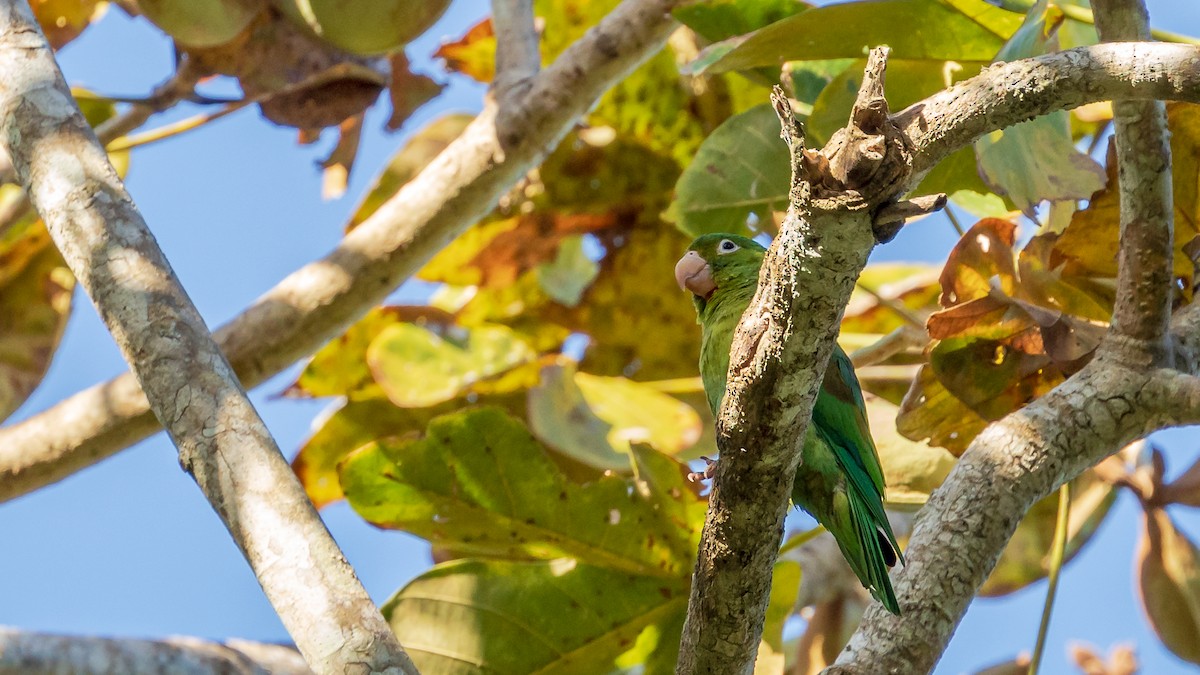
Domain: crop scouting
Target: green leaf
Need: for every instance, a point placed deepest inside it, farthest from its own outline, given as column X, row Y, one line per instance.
column 912, row 470
column 958, row 30
column 1037, row 160
column 480, row 484
column 720, row 19
column 741, row 171
column 416, row 367
column 557, row 616
column 786, row 577
column 596, row 419
column 349, row 426
column 35, row 302
column 340, row 367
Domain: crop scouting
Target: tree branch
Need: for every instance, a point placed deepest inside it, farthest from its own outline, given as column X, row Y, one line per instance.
column 517, row 55
column 1008, row 93
column 317, row 302
column 23, row 653
column 222, row 442
column 1143, row 305
column 962, row 530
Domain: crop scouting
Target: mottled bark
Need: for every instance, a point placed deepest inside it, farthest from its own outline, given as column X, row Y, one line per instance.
column 25, row 653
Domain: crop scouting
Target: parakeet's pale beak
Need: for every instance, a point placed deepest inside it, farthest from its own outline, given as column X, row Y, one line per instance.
column 693, row 274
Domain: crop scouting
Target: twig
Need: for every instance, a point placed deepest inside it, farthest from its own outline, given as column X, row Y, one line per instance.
column 901, row 339
column 1057, row 554
column 221, row 439
column 954, row 222
column 893, row 305
column 517, row 55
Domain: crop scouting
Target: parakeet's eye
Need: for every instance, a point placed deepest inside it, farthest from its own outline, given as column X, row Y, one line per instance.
column 727, row 246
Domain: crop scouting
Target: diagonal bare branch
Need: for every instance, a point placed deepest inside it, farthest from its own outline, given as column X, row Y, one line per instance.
column 221, row 439
column 317, row 302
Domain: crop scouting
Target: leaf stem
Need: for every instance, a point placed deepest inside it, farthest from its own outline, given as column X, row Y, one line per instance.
column 1057, row 553
column 954, row 221
column 801, row 539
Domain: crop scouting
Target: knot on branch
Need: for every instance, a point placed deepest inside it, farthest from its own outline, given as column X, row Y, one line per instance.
column 865, row 164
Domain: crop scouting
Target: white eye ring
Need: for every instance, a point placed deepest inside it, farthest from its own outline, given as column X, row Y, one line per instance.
column 727, row 246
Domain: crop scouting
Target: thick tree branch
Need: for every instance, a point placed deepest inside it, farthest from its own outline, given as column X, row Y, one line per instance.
column 23, row 653
column 1117, row 398
column 318, row 301
column 1143, row 304
column 222, row 442
column 960, row 534
column 1008, row 93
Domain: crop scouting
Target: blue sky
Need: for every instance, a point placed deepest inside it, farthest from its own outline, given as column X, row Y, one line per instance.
column 131, row 548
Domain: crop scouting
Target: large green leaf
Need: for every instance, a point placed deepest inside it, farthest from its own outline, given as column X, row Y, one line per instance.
column 556, row 616
column 596, row 419
column 340, row 367
column 356, row 422
column 741, row 170
column 479, row 483
column 417, row 368
column 721, row 19
column 951, row 30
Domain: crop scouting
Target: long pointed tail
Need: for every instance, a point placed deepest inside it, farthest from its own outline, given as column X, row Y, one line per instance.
column 879, row 552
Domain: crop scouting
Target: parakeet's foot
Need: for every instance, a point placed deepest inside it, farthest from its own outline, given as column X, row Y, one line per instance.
column 710, row 470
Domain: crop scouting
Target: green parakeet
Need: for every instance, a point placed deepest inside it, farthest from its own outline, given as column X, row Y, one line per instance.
column 839, row 480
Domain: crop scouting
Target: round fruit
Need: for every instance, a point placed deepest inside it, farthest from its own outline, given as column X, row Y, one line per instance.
column 364, row 27
column 201, row 23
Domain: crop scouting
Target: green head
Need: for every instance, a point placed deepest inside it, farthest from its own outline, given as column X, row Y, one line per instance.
column 718, row 265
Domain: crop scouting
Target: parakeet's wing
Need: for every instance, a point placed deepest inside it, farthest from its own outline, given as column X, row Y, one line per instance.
column 840, row 417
